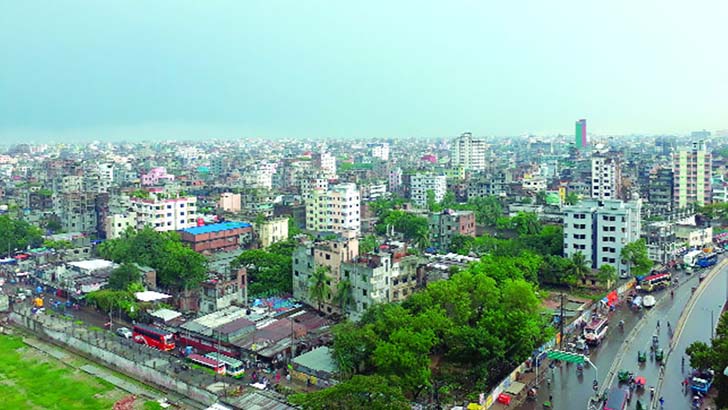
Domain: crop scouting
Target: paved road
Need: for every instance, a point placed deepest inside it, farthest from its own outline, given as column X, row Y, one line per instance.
column 697, row 328
column 571, row 391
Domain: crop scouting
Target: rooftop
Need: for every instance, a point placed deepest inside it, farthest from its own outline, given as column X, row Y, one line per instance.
column 224, row 226
column 93, row 264
column 318, row 359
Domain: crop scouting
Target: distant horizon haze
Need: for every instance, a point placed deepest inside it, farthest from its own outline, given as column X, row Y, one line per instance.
column 81, row 70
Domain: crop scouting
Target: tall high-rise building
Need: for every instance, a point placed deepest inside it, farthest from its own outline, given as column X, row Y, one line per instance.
column 606, row 178
column 468, row 153
column 600, row 229
column 334, row 209
column 581, row 134
column 421, row 184
column 692, row 169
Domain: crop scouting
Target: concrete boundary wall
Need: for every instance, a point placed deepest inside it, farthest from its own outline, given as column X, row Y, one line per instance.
column 135, row 369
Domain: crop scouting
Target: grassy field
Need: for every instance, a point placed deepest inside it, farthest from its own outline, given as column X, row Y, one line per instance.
column 32, row 380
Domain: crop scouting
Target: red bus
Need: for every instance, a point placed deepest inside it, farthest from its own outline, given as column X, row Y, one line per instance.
column 216, row 366
column 154, row 337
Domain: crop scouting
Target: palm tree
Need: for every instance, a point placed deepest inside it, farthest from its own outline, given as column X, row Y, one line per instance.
column 607, row 274
column 318, row 285
column 422, row 238
column 579, row 266
column 344, row 296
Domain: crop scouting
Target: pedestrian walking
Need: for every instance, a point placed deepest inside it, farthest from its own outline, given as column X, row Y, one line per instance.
column 548, row 382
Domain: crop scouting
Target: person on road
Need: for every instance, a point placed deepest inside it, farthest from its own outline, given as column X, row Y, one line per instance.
column 658, row 324
column 672, row 293
column 652, row 392
column 662, row 401
column 621, row 324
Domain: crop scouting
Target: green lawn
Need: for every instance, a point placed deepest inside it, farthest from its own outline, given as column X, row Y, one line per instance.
column 30, row 380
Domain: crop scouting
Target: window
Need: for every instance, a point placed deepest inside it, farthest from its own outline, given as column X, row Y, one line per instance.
column 328, row 256
column 364, row 292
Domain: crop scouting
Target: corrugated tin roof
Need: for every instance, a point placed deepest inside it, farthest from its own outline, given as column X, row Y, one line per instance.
column 318, row 359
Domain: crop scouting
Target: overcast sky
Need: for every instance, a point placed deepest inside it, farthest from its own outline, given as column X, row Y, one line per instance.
column 180, row 69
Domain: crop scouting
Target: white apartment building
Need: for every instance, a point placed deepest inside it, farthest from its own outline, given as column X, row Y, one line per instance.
column 117, row 224
column 468, row 153
column 693, row 171
column 420, row 184
column 380, row 150
column 605, row 177
column 600, row 229
column 335, row 209
column 258, row 178
column 534, row 183
column 165, row 214
column 326, row 163
column 395, row 179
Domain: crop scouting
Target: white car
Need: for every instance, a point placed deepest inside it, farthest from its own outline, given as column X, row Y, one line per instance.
column 649, row 301
column 124, row 332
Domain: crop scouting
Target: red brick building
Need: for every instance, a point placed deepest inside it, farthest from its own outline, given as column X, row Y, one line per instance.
column 223, row 236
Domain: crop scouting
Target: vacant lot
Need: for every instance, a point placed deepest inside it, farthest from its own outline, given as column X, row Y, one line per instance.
column 32, row 380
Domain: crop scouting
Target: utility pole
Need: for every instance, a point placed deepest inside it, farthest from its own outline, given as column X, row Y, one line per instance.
column 561, row 323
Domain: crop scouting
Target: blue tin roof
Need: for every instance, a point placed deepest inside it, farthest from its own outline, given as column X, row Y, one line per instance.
column 224, row 226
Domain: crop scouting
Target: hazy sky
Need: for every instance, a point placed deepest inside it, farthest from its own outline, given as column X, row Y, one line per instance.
column 115, row 69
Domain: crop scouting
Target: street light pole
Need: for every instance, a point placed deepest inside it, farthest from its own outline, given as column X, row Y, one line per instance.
column 561, row 323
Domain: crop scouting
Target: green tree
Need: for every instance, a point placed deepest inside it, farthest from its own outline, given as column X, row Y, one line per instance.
column 361, row 392
column 344, row 296
column 487, row 210
column 607, row 274
column 579, row 266
column 408, row 224
column 293, row 228
column 367, row 244
column 269, row 273
column 177, row 266
column 422, row 238
column 635, row 254
column 124, row 275
column 461, row 244
column 571, row 198
column 449, row 201
column 318, row 285
column 701, row 355
column 432, row 204
column 17, row 234
column 58, row 245
column 526, row 223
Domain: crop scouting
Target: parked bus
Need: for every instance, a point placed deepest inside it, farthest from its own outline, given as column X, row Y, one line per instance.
column 216, row 366
column 707, row 260
column 233, row 367
column 656, row 281
column 153, row 336
column 595, row 331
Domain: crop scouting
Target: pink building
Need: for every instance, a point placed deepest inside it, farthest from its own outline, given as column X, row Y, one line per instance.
column 155, row 176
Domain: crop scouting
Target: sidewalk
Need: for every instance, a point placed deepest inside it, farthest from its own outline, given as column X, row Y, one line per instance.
column 530, row 381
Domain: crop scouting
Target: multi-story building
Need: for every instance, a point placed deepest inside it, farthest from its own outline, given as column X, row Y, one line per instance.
column 336, row 209
column 660, row 189
column 469, row 153
column 421, row 184
column 326, row 253
column 379, row 150
column 230, row 202
column 373, row 190
column 326, row 163
column 693, row 171
column 606, row 178
column 395, row 180
column 600, row 229
column 156, row 176
column 580, row 134
column 662, row 243
column 448, row 223
column 77, row 211
column 171, row 214
column 495, row 185
column 117, row 224
column 272, row 231
column 223, row 236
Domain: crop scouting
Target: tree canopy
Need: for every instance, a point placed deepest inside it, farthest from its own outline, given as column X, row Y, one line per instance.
column 269, row 271
column 473, row 325
column 713, row 356
column 360, row 392
column 124, row 275
column 177, row 266
column 635, row 253
column 18, row 234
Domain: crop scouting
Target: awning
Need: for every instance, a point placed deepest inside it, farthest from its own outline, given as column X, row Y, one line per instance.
column 515, row 388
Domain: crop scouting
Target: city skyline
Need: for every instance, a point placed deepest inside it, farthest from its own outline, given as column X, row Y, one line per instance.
column 185, row 70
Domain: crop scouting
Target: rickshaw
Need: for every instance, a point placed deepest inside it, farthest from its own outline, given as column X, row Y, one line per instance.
column 641, row 357
column 625, row 376
column 659, row 355
column 655, row 342
column 640, row 382
column 640, row 406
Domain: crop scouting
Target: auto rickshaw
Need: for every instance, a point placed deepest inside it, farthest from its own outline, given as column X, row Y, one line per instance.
column 625, row 376
column 659, row 355
column 641, row 357
column 655, row 342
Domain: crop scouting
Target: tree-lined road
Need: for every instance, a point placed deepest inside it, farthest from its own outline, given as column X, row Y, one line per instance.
column 572, row 392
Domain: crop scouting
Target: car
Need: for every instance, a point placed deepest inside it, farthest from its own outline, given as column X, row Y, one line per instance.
column 648, row 301
column 124, row 332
